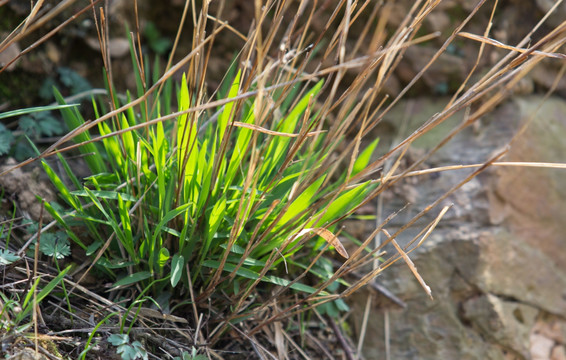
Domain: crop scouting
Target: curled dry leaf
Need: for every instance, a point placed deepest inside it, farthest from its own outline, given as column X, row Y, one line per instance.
column 271, row 132
column 410, row 263
column 509, row 47
column 332, row 240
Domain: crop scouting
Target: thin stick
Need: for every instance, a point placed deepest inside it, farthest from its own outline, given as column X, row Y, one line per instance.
column 387, row 336
column 487, row 40
column 343, row 342
column 410, row 263
column 35, row 262
column 543, row 165
column 365, row 321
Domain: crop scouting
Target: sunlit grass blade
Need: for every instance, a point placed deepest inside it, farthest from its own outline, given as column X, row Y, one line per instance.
column 32, row 110
column 302, row 202
column 239, row 150
column 55, row 214
column 73, row 119
column 226, row 116
column 27, row 306
column 159, row 153
column 132, row 279
column 126, row 225
column 112, row 147
column 61, row 187
column 226, row 84
column 164, row 257
column 342, row 204
column 215, row 218
column 187, row 143
column 279, row 144
column 364, row 158
column 128, row 138
column 177, row 264
column 155, row 240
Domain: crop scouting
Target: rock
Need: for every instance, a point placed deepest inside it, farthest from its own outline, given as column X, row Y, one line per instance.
column 511, row 268
column 438, row 20
column 447, row 69
column 548, row 338
column 541, row 347
column 504, row 322
column 546, row 75
column 117, row 47
column 495, row 262
column 558, row 353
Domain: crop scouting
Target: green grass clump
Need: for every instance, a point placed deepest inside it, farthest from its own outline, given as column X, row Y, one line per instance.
column 213, row 202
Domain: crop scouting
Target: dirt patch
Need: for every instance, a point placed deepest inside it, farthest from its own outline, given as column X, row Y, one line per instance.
column 22, row 189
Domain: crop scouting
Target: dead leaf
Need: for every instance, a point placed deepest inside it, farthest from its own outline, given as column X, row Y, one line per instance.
column 499, row 44
column 332, row 240
column 280, row 341
column 410, row 264
column 271, row 132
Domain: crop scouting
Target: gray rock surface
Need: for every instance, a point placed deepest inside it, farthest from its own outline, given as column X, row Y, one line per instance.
column 496, row 263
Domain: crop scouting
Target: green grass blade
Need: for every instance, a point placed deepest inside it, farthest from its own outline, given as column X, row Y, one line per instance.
column 132, row 279
column 112, row 147
column 127, row 227
column 31, row 110
column 43, row 293
column 73, row 119
column 280, row 145
column 105, row 194
column 187, row 142
column 61, row 187
column 69, row 171
column 159, row 146
column 242, row 141
column 302, row 202
column 177, row 265
column 225, row 118
column 55, row 214
column 155, row 244
column 225, row 86
column 365, row 157
column 344, row 203
column 111, row 220
column 164, row 256
column 252, row 275
column 128, row 138
column 28, row 298
column 216, row 216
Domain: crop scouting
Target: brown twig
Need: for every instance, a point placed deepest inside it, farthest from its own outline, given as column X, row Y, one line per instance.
column 341, row 339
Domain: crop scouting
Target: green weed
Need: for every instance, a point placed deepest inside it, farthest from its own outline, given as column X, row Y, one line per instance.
column 220, row 202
